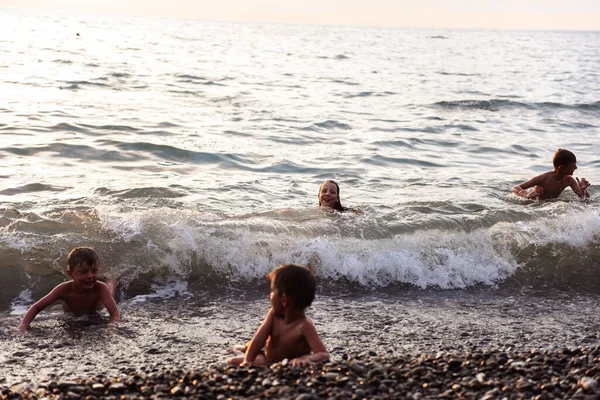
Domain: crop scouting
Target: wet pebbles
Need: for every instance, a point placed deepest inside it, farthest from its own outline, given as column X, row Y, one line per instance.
column 540, row 374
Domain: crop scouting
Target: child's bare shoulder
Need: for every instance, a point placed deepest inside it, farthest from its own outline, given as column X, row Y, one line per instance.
column 100, row 285
column 64, row 287
column 307, row 322
column 545, row 175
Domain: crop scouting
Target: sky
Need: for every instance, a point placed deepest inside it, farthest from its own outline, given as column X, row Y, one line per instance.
column 486, row 14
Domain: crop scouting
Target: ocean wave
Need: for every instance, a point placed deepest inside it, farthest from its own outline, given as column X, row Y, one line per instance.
column 497, row 104
column 84, row 83
column 326, row 126
column 145, row 193
column 144, row 246
column 367, row 94
column 172, row 153
column 32, row 187
column 389, row 161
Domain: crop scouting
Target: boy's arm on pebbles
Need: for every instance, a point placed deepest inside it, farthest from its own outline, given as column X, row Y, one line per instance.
column 260, row 338
column 110, row 304
column 319, row 352
column 56, row 294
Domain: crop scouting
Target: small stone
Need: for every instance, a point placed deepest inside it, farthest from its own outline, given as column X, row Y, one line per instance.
column 481, row 378
column 177, row 391
column 117, row 388
column 306, row 396
column 454, row 364
column 358, row 368
column 98, row 387
column 23, row 387
column 588, row 384
column 491, row 394
column 77, row 389
column 146, row 390
column 72, row 396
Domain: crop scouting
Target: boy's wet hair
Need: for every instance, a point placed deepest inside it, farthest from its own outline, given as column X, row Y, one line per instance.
column 563, row 157
column 338, row 204
column 296, row 281
column 80, row 255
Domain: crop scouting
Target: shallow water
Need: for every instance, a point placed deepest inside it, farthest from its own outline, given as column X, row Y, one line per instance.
column 191, row 333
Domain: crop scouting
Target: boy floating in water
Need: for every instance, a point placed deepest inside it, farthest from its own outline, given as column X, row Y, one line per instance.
column 286, row 331
column 550, row 185
column 83, row 293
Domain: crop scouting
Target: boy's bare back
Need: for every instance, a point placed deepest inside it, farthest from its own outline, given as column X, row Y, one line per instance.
column 288, row 340
column 549, row 185
column 286, row 332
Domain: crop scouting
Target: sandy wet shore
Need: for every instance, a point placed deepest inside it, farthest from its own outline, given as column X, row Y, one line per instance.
column 177, row 336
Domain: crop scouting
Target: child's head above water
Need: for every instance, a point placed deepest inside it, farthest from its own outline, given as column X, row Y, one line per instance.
column 296, row 282
column 329, row 195
column 565, row 159
column 82, row 255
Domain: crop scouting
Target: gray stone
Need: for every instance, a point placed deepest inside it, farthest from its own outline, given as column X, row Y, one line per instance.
column 588, row 384
column 358, row 368
column 117, row 388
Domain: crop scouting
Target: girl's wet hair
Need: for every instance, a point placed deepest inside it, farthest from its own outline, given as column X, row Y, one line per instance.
column 80, row 255
column 338, row 204
column 295, row 281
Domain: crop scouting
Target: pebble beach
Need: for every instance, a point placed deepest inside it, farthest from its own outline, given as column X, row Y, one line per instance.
column 540, row 374
column 423, row 345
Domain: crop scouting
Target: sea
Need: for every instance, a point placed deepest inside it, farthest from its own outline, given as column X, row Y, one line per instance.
column 189, row 155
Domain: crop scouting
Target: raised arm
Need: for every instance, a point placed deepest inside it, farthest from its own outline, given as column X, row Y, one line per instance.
column 579, row 186
column 260, row 338
column 111, row 306
column 319, row 352
column 56, row 294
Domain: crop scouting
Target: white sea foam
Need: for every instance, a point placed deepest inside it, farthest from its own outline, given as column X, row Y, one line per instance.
column 173, row 287
column 21, row 303
column 249, row 250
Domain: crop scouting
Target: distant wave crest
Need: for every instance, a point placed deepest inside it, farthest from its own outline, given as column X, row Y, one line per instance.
column 498, row 104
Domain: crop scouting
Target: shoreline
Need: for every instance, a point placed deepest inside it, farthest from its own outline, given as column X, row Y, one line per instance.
column 564, row 373
column 193, row 335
